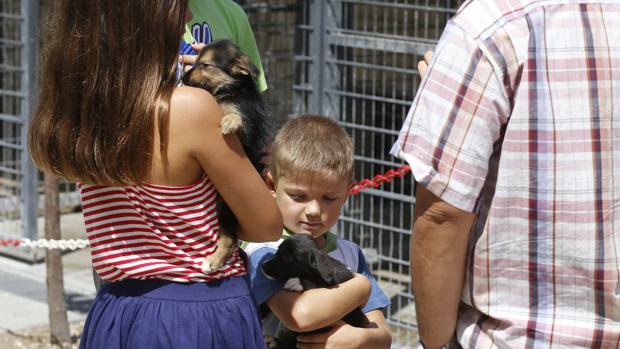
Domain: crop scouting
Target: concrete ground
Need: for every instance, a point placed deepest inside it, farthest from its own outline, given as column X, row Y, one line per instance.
column 23, row 290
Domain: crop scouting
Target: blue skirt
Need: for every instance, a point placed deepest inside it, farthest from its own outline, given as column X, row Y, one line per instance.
column 162, row 314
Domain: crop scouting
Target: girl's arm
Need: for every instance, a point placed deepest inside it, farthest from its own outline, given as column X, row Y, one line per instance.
column 223, row 160
column 319, row 307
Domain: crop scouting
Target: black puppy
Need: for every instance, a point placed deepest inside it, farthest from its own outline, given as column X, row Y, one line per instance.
column 231, row 77
column 302, row 265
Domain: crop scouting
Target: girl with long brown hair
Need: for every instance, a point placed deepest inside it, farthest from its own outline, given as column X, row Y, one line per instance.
column 150, row 159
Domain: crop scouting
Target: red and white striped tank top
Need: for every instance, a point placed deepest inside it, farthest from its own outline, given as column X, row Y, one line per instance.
column 154, row 232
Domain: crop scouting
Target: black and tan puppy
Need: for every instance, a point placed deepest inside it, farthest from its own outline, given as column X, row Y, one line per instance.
column 302, row 265
column 231, row 77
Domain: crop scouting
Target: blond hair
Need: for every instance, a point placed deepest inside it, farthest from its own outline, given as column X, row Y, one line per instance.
column 312, row 145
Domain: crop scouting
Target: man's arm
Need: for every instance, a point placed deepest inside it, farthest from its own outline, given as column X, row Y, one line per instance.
column 438, row 258
column 319, row 307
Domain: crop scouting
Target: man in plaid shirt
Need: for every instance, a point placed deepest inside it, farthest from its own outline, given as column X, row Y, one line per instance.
column 514, row 140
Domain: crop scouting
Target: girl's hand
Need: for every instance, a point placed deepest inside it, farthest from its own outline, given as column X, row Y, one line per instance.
column 422, row 65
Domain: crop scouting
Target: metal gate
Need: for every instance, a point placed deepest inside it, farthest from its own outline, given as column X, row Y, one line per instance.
column 18, row 176
column 357, row 62
column 352, row 60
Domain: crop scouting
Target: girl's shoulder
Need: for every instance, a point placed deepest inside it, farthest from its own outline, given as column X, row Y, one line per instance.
column 194, row 107
column 192, row 99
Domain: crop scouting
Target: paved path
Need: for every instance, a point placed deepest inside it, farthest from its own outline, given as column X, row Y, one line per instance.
column 23, row 290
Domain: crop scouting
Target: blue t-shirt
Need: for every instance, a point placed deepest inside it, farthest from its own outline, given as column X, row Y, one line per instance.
column 346, row 252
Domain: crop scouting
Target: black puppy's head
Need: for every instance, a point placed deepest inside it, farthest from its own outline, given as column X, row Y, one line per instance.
column 299, row 256
column 218, row 65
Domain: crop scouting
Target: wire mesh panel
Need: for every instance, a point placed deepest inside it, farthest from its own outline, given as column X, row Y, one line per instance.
column 357, row 62
column 273, row 23
column 18, row 178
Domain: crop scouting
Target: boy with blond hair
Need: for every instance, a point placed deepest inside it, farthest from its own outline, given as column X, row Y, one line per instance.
column 310, row 176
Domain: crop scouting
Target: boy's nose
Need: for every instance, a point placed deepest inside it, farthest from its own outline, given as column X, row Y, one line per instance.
column 313, row 208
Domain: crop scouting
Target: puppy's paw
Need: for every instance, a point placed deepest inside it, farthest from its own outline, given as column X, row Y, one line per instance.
column 231, row 123
column 211, row 263
column 206, row 266
column 270, row 342
column 293, row 284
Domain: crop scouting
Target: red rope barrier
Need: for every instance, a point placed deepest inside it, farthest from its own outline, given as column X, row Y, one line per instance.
column 379, row 179
column 10, row 242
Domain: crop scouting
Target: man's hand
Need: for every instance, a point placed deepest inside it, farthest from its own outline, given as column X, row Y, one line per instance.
column 423, row 64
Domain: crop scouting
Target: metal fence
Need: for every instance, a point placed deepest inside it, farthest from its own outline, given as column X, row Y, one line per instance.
column 356, row 61
column 18, row 176
column 352, row 60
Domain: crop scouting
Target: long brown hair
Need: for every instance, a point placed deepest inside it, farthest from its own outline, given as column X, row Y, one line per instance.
column 108, row 72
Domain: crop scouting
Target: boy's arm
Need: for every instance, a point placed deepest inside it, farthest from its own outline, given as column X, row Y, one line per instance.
column 342, row 335
column 319, row 307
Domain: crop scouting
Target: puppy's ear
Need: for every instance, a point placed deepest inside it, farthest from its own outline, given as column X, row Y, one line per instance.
column 323, row 265
column 242, row 65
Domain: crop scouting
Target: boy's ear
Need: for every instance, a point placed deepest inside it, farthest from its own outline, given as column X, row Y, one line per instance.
column 270, row 184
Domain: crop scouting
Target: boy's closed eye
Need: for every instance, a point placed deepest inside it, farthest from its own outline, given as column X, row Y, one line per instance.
column 297, row 196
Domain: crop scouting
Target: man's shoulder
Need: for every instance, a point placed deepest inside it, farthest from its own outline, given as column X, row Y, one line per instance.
column 480, row 19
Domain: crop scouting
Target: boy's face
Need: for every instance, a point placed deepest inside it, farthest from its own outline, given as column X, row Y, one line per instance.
column 311, row 204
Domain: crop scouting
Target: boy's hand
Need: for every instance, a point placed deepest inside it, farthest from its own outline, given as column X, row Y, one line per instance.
column 340, row 336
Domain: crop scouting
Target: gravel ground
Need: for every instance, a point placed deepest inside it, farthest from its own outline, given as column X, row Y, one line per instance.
column 37, row 338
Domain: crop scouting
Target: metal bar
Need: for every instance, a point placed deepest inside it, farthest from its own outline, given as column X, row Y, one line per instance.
column 392, row 43
column 389, row 195
column 9, row 145
column 407, row 325
column 11, row 43
column 305, row 87
column 370, row 97
column 376, row 225
column 392, row 260
column 434, row 9
column 369, row 128
column 17, row 94
column 317, row 47
column 30, row 175
column 301, row 58
column 10, row 68
column 4, row 15
column 383, row 68
column 10, row 170
column 11, row 118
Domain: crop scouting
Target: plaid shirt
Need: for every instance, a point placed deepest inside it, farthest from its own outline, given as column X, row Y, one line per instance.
column 518, row 120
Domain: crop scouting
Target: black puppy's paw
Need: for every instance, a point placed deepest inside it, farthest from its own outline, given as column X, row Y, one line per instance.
column 293, row 284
